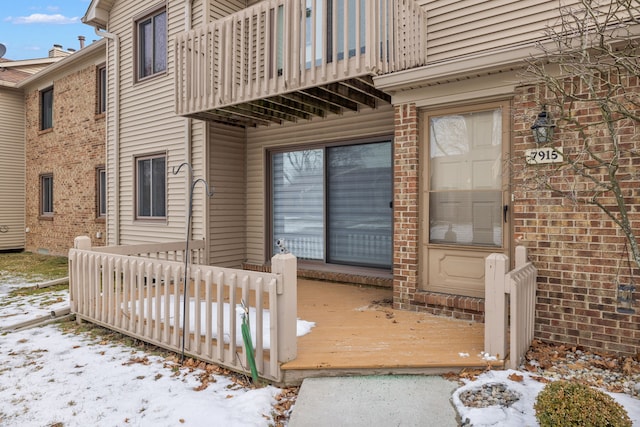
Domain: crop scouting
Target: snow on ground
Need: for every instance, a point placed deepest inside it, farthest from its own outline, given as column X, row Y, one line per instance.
column 521, row 413
column 16, row 309
column 47, row 377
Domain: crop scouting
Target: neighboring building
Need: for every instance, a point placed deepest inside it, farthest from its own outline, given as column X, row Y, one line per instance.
column 376, row 153
column 12, row 159
column 65, row 151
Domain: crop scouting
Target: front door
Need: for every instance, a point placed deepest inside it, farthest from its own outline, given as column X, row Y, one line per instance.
column 464, row 197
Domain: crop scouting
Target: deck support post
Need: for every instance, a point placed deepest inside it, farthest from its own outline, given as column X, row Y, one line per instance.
column 495, row 303
column 287, row 266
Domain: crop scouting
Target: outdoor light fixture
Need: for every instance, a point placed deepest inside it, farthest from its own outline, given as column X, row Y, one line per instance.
column 543, row 127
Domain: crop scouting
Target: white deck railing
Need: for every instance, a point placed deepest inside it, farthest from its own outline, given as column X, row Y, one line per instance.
column 173, row 251
column 517, row 321
column 144, row 297
column 279, row 46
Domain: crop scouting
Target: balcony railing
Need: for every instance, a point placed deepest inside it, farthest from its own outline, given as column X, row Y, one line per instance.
column 282, row 60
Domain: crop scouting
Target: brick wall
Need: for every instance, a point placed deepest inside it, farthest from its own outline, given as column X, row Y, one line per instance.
column 579, row 252
column 405, row 206
column 71, row 151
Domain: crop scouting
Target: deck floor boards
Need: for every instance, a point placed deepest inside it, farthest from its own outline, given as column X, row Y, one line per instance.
column 357, row 329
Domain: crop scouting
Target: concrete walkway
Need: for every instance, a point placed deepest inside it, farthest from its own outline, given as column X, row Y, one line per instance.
column 375, row 401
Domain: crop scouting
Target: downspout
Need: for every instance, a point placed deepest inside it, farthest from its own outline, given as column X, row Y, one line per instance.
column 188, row 17
column 116, row 135
column 188, row 135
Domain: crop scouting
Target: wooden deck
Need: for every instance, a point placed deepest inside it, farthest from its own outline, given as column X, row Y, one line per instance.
column 358, row 333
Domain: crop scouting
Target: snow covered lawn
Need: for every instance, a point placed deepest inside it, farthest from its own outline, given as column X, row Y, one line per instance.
column 49, row 377
column 53, row 377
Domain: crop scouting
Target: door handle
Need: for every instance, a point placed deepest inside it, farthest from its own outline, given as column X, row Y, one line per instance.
column 505, row 209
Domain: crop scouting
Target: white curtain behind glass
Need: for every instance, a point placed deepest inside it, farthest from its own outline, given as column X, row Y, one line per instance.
column 298, row 202
column 465, row 198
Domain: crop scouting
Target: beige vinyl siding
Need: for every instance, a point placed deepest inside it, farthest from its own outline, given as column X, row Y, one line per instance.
column 199, row 163
column 198, row 12
column 335, row 128
column 148, row 125
column 462, row 27
column 220, row 9
column 12, row 170
column 227, row 207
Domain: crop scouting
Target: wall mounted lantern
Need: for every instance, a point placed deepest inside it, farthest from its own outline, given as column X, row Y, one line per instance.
column 543, row 127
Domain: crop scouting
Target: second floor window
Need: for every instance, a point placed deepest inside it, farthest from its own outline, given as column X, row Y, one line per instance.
column 46, row 109
column 101, row 104
column 152, row 44
column 151, row 187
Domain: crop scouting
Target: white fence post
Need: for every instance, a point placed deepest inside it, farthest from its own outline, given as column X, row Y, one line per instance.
column 521, row 256
column 287, row 266
column 82, row 243
column 495, row 305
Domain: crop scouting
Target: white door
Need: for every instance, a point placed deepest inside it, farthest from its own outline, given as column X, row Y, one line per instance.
column 464, row 198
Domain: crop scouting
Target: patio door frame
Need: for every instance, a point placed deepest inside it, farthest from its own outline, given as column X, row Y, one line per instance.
column 456, row 268
column 327, row 259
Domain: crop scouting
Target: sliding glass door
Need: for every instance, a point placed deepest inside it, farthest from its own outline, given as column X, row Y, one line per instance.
column 333, row 203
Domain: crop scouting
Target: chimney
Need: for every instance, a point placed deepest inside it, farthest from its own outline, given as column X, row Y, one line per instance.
column 81, row 39
column 56, row 51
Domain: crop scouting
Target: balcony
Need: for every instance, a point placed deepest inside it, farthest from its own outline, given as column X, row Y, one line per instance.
column 287, row 60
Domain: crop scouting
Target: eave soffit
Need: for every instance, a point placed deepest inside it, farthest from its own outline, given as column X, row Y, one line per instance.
column 97, row 15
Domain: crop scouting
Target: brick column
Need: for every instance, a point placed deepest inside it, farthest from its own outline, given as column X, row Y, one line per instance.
column 405, row 206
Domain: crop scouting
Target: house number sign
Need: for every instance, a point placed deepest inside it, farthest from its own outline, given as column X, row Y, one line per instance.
column 543, row 155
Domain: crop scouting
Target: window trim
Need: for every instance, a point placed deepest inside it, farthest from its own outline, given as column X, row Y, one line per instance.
column 136, row 215
column 138, row 63
column 101, row 90
column 45, row 214
column 101, row 171
column 47, row 124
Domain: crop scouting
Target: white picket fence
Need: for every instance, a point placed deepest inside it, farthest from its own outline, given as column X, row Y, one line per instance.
column 510, row 300
column 139, row 291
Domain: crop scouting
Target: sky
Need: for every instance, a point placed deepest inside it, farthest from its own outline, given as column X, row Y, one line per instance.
column 30, row 28
column 48, row 376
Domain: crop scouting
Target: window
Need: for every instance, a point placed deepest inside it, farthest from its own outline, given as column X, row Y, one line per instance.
column 46, row 109
column 333, row 204
column 101, row 103
column 354, row 21
column 345, row 24
column 101, row 192
column 151, row 187
column 152, row 44
column 46, row 195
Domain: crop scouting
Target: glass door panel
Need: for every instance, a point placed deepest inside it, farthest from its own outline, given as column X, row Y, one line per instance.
column 298, row 202
column 360, row 216
column 465, row 191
